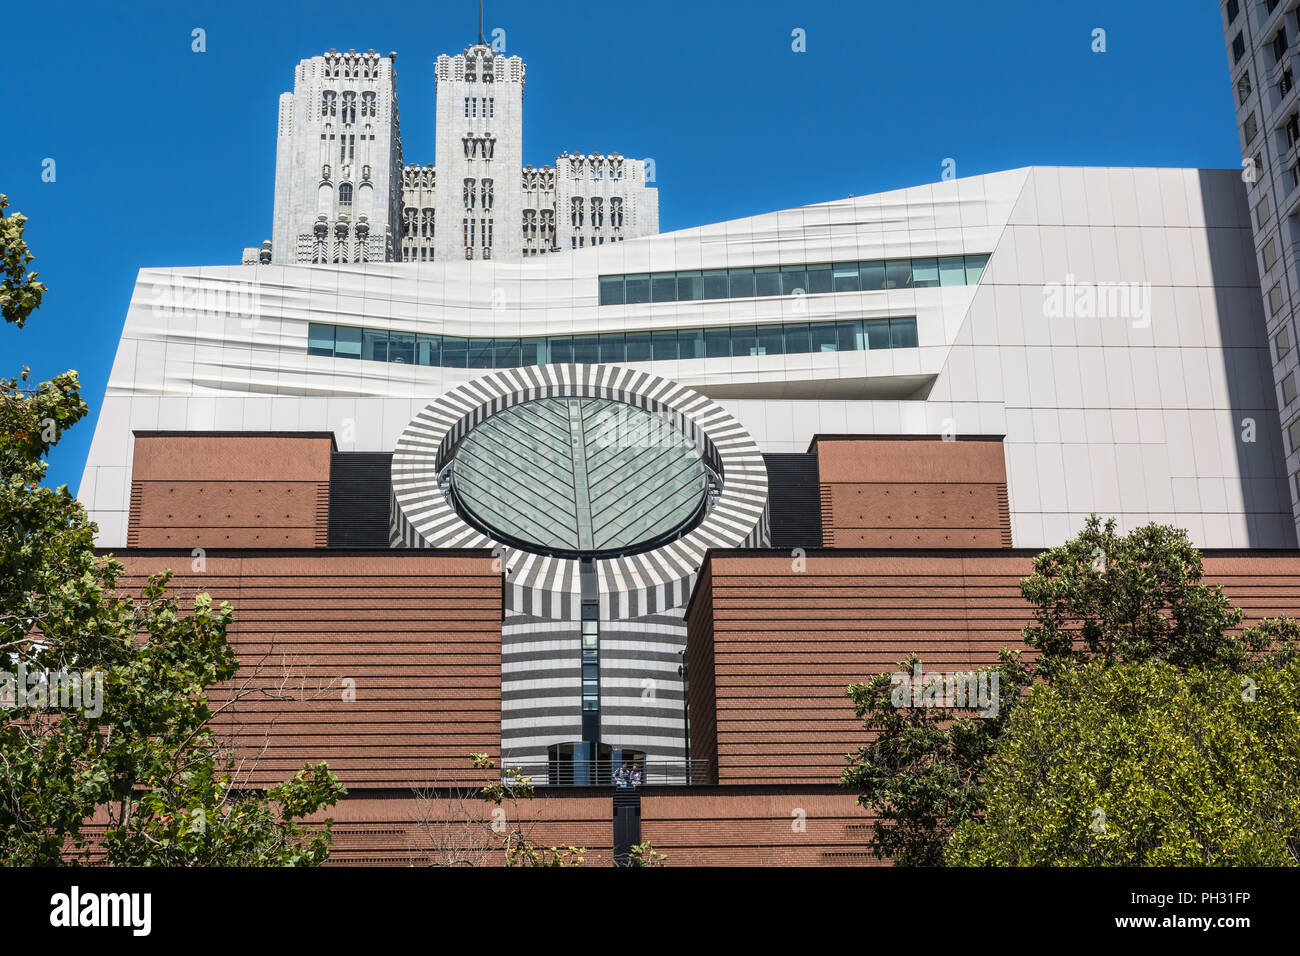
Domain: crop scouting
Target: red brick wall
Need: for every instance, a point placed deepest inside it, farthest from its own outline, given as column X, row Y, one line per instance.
column 410, row 830
column 768, row 827
column 913, row 493
column 229, row 491
column 783, row 645
column 417, row 633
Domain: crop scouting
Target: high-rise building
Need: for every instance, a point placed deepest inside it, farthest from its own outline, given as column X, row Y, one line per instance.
column 1262, row 58
column 338, row 161
column 342, row 193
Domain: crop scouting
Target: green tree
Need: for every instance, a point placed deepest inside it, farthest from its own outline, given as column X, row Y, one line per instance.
column 506, row 793
column 134, row 741
column 920, row 772
column 1145, row 765
column 1138, row 597
column 1100, row 596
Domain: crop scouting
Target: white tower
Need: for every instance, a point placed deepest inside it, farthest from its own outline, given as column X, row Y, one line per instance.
column 478, row 155
column 338, row 162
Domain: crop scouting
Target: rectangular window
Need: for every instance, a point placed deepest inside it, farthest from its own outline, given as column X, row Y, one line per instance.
column 534, row 352
column 1270, row 253
column 824, row 337
column 717, row 343
column 374, row 345
column 690, row 343
column 1288, row 389
column 636, row 346
column 1293, row 433
column 844, row 277
column 401, row 347
column 898, row 274
column 742, row 283
column 611, row 290
column 689, row 287
column 767, row 281
column 1282, row 342
column 952, row 271
column 506, row 353
column 819, row 280
column 771, row 340
column 744, row 341
column 877, row 334
column 638, row 289
column 320, row 339
column 586, row 349
column 455, row 352
column 347, row 342
column 794, row 280
column 1243, row 87
column 561, row 347
column 1232, row 8
column 796, row 339
column 612, row 348
column 925, row 273
column 902, row 333
column 1238, row 49
column 663, row 288
column 715, row 284
column 848, row 336
column 1275, row 299
column 663, row 345
column 1250, row 128
column 872, row 276
column 428, row 350
column 480, row 353
column 1262, row 211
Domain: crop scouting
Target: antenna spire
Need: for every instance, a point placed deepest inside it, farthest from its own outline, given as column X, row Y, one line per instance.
column 480, row 22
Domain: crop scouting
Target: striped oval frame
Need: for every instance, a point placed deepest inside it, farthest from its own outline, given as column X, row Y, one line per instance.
column 420, row 515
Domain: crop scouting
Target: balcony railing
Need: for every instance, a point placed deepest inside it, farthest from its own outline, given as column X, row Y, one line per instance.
column 615, row 774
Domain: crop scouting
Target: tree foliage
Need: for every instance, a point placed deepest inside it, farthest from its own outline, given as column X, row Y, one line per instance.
column 1137, row 597
column 920, row 772
column 143, row 760
column 1101, row 597
column 20, row 293
column 506, row 793
column 1145, row 765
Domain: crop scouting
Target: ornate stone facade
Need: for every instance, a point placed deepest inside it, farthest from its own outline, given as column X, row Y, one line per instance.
column 343, row 194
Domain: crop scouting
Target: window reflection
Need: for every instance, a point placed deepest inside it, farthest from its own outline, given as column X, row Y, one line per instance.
column 816, row 279
column 740, row 341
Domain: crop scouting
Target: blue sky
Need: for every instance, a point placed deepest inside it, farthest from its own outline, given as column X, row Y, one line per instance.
column 166, row 157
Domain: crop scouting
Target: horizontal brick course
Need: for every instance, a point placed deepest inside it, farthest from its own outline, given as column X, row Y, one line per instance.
column 418, row 633
column 772, row 649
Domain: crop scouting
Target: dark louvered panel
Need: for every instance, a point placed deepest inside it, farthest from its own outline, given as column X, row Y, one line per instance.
column 794, row 495
column 360, row 485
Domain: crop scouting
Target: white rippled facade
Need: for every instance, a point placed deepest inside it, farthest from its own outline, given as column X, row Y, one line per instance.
column 1169, row 419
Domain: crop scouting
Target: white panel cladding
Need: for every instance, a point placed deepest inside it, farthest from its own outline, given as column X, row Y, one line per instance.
column 1162, row 405
column 641, row 704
